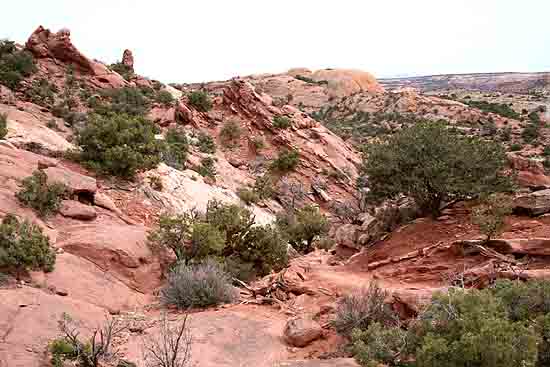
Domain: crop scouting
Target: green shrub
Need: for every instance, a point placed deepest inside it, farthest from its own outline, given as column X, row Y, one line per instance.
column 263, row 186
column 207, row 167
column 530, row 133
column 23, row 246
column 281, row 122
column 15, row 65
column 248, row 196
column 119, row 144
column 165, row 98
column 378, row 344
column 200, row 100
column 42, row 92
column 3, row 125
column 176, row 149
column 198, row 285
column 302, row 227
column 124, row 70
column 501, row 109
column 206, row 143
column 432, row 165
column 363, row 308
column 127, row 100
column 515, row 147
column 489, row 216
column 258, row 143
column 38, row 194
column 287, row 161
column 230, row 133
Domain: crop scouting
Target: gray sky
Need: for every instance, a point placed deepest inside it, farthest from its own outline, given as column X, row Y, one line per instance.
column 202, row 40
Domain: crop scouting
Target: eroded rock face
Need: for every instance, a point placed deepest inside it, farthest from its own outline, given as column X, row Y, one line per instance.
column 76, row 210
column 128, row 59
column 533, row 204
column 74, row 181
column 342, row 83
column 301, row 331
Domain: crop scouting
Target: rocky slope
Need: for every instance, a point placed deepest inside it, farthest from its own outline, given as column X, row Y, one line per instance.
column 104, row 266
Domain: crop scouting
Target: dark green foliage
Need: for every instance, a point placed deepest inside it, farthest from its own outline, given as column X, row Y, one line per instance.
column 281, row 122
column 230, row 133
column 124, row 70
column 42, row 92
column 3, row 125
column 207, row 167
column 506, row 325
column 198, row 285
column 433, row 165
column 489, row 216
column 302, row 227
column 165, row 98
column 128, row 100
column 515, row 147
column 258, row 143
column 248, row 196
column 287, row 161
column 38, row 194
column 530, row 133
column 501, row 109
column 263, row 186
column 206, row 143
column 361, row 309
column 23, row 246
column 15, row 65
column 506, row 133
column 200, row 100
column 119, row 144
column 224, row 231
column 311, row 81
column 176, row 148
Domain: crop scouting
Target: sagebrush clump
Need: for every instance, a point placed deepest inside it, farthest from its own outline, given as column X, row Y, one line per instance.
column 15, row 65
column 198, row 285
column 281, row 122
column 24, row 247
column 230, row 133
column 287, row 161
column 40, row 195
column 200, row 100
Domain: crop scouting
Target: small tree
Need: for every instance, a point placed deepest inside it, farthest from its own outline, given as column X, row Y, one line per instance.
column 24, row 247
column 433, row 165
column 302, row 227
column 491, row 214
column 3, row 125
column 200, row 100
column 287, row 161
column 230, row 133
column 38, row 194
column 120, row 144
column 172, row 347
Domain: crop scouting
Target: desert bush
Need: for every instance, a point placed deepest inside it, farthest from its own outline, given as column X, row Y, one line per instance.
column 165, row 98
column 501, row 109
column 206, row 143
column 247, row 196
column 523, row 300
column 176, row 149
column 490, row 215
column 432, row 165
column 3, row 125
column 198, row 285
column 15, row 65
column 23, row 246
column 127, row 100
column 119, row 144
column 302, row 226
column 230, row 133
column 200, row 100
column 362, row 308
column 281, row 122
column 156, row 183
column 124, row 70
column 258, row 143
column 515, row 147
column 263, row 186
column 207, row 167
column 287, row 161
column 38, row 194
column 378, row 344
column 172, row 347
column 42, row 92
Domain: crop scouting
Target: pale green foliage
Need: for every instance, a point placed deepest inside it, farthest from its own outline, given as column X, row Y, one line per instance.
column 302, row 227
column 38, row 194
column 490, row 215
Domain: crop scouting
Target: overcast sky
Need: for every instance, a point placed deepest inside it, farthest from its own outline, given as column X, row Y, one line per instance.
column 203, row 40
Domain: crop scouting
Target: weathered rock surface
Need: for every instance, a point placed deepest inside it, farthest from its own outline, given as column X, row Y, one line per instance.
column 74, row 181
column 301, row 331
column 533, row 204
column 76, row 210
column 128, row 59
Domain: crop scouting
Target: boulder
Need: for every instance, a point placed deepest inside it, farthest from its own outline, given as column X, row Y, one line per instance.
column 104, row 201
column 76, row 182
column 534, row 204
column 301, row 331
column 348, row 236
column 77, row 210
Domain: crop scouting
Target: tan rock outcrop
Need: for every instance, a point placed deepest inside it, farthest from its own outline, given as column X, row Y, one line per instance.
column 301, row 331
